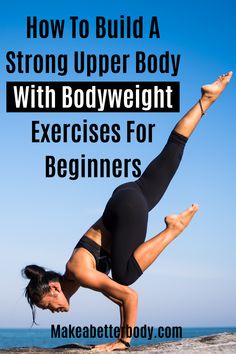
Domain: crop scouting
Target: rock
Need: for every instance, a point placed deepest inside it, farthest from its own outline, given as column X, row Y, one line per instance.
column 219, row 343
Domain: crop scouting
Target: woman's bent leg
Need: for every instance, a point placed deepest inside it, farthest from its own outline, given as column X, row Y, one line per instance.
column 148, row 251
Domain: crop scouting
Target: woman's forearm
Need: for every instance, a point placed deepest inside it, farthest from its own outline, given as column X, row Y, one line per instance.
column 121, row 317
column 121, row 294
column 129, row 308
column 121, row 307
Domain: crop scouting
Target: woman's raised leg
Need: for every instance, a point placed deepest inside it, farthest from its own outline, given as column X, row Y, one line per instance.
column 148, row 251
column 159, row 173
column 210, row 93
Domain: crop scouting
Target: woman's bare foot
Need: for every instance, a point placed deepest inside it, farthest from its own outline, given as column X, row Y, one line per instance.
column 177, row 223
column 212, row 91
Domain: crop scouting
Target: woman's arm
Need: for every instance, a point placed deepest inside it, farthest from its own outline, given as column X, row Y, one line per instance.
column 81, row 267
column 117, row 344
column 128, row 297
column 89, row 277
column 120, row 304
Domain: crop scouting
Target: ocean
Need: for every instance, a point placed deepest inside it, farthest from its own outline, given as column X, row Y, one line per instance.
column 33, row 337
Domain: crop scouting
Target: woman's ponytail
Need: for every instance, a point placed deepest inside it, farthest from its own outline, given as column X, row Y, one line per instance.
column 38, row 285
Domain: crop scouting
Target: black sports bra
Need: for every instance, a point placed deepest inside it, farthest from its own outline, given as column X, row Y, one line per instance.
column 102, row 258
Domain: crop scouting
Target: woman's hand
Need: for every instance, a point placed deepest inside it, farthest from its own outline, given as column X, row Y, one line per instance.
column 110, row 346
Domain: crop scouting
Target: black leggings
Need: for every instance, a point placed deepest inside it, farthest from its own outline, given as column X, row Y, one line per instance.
column 126, row 213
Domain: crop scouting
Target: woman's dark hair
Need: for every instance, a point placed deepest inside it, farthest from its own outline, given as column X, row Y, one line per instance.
column 38, row 285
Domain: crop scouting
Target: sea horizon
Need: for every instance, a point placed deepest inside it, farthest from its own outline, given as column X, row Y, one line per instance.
column 41, row 337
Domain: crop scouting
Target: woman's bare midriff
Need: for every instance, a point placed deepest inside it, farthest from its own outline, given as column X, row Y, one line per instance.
column 99, row 234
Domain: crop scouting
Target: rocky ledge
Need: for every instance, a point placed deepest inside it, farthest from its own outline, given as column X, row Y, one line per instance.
column 214, row 344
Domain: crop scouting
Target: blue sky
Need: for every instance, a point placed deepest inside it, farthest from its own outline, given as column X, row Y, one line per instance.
column 193, row 281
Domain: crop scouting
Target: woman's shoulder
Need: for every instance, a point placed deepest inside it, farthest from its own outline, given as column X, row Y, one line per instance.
column 80, row 261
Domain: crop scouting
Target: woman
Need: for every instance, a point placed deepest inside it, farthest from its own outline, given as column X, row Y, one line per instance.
column 117, row 240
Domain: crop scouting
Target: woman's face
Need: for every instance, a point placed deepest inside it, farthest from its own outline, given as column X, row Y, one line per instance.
column 55, row 300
